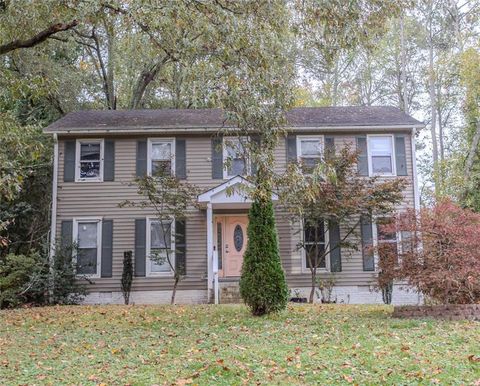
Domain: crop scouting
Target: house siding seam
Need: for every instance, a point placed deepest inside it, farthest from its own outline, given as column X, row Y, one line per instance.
column 80, row 199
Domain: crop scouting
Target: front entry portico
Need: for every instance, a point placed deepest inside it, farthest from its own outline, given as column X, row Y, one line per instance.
column 232, row 195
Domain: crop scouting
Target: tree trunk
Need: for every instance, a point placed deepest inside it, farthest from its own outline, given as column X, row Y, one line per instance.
column 312, row 290
column 174, row 290
column 403, row 68
column 432, row 95
column 472, row 152
column 145, row 78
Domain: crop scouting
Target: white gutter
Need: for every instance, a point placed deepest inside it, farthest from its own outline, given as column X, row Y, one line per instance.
column 173, row 129
column 416, row 191
column 53, row 214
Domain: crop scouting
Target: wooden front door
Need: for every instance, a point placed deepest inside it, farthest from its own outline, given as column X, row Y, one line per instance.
column 233, row 243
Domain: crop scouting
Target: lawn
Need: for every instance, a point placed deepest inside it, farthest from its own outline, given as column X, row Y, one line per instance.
column 224, row 345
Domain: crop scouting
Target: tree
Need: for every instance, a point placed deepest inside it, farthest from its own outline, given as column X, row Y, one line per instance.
column 332, row 195
column 170, row 199
column 439, row 255
column 262, row 285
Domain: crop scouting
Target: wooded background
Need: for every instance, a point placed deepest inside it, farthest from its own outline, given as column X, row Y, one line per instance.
column 59, row 56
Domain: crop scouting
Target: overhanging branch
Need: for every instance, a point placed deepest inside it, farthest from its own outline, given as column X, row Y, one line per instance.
column 38, row 38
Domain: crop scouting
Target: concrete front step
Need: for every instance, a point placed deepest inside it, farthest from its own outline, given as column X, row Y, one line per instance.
column 230, row 293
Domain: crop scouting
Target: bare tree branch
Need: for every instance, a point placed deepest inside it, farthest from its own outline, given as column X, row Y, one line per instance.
column 38, row 38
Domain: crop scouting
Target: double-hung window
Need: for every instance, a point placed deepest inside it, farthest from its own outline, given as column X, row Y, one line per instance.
column 161, row 157
column 310, row 152
column 235, row 157
column 314, row 239
column 87, row 237
column 160, row 247
column 387, row 241
column 89, row 160
column 381, row 155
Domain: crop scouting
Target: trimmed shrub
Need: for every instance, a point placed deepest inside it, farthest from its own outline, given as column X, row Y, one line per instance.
column 262, row 285
column 127, row 276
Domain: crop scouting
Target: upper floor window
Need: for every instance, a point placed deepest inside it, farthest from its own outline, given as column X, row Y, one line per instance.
column 89, row 160
column 235, row 157
column 380, row 155
column 314, row 245
column 87, row 237
column 161, row 157
column 310, row 151
column 160, row 245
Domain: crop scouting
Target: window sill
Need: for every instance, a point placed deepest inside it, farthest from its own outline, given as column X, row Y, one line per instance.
column 89, row 180
column 159, row 274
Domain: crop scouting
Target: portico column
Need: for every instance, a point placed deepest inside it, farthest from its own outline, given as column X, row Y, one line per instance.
column 210, row 247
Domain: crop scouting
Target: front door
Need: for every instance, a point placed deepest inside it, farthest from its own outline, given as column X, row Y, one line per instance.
column 232, row 246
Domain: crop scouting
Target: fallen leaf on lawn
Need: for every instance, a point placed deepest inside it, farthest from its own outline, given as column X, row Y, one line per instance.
column 473, row 358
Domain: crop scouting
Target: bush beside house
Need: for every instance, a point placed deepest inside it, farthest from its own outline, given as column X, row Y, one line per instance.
column 263, row 285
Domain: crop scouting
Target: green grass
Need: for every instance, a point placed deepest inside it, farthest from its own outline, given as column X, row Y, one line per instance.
column 224, row 345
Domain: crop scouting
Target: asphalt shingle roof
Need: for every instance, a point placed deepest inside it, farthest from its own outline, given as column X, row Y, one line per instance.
column 134, row 120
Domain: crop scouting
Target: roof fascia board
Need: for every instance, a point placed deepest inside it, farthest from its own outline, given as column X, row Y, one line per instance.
column 174, row 130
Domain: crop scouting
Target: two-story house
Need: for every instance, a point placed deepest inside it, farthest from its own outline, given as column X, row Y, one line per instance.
column 99, row 153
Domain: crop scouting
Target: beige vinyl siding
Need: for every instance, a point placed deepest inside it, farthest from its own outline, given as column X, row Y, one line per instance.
column 85, row 199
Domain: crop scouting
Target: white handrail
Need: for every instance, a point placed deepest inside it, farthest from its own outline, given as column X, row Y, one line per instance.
column 215, row 275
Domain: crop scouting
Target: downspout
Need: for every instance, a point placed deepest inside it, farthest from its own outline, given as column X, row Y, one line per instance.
column 53, row 215
column 416, row 192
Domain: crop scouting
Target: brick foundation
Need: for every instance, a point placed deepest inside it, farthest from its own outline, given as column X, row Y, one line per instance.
column 447, row 311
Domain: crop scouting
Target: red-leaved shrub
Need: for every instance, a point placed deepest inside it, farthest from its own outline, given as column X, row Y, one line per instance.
column 439, row 253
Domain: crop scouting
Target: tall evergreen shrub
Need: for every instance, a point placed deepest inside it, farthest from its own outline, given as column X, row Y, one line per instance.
column 263, row 286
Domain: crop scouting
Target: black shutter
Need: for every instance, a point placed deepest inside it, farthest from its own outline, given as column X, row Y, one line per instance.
column 367, row 244
column 69, row 161
column 217, row 158
column 66, row 239
column 256, row 147
column 362, row 166
column 141, row 158
column 109, row 161
column 107, row 244
column 400, row 155
column 291, row 142
column 180, row 247
column 335, row 250
column 140, row 246
column 180, row 159
column 329, row 148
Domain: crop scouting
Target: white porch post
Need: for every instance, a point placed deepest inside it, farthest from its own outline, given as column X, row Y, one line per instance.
column 209, row 248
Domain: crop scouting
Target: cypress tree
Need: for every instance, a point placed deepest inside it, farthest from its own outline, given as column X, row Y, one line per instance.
column 262, row 285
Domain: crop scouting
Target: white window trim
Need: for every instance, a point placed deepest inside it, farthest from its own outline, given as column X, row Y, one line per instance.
column 376, row 257
column 149, row 262
column 320, row 138
column 77, row 159
column 152, row 141
column 80, row 220
column 305, row 269
column 226, row 176
column 370, row 165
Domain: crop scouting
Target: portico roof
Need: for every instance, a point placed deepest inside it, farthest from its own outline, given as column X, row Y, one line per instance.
column 231, row 193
